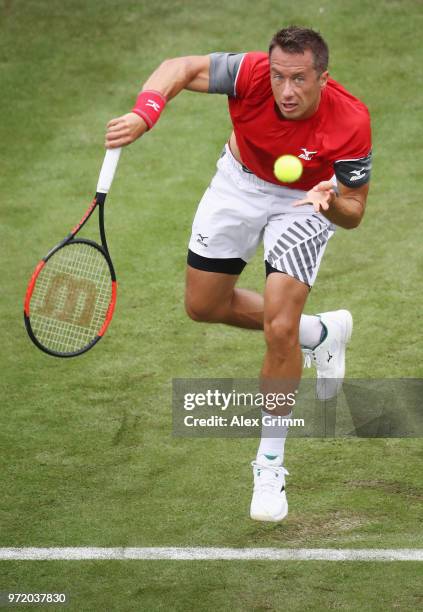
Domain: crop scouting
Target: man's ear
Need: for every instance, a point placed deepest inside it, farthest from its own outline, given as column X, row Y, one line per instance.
column 324, row 78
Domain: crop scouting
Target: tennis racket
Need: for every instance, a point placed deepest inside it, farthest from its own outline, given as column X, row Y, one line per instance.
column 71, row 295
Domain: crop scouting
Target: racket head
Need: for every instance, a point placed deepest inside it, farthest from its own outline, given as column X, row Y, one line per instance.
column 70, row 298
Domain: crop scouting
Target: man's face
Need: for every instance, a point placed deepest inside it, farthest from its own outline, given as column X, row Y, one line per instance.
column 295, row 83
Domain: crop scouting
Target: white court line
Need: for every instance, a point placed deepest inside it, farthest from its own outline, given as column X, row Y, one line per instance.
column 202, row 554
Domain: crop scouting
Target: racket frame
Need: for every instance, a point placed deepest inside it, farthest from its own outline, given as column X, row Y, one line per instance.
column 104, row 183
column 98, row 202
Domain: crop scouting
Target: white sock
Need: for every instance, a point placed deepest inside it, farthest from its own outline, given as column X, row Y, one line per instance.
column 311, row 329
column 272, row 443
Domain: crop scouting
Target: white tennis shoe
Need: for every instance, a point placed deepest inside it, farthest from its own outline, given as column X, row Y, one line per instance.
column 269, row 501
column 329, row 356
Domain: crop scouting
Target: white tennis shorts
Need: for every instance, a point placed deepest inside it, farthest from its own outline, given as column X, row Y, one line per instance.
column 239, row 210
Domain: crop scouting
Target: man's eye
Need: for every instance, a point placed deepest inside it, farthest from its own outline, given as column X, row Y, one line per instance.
column 299, row 79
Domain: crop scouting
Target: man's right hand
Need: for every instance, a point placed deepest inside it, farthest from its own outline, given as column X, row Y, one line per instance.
column 124, row 130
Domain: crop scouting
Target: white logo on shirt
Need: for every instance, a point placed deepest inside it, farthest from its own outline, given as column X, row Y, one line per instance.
column 307, row 154
column 357, row 174
column 153, row 105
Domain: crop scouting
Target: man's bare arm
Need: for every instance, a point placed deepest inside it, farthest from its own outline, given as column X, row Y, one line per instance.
column 170, row 78
column 173, row 75
column 345, row 209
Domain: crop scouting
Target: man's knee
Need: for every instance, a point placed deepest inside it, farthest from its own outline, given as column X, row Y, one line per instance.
column 197, row 311
column 202, row 311
column 281, row 334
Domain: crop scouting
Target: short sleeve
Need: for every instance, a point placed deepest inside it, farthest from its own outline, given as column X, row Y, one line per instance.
column 352, row 161
column 354, row 172
column 224, row 69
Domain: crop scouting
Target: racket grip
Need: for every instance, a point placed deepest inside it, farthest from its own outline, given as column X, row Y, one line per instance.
column 108, row 170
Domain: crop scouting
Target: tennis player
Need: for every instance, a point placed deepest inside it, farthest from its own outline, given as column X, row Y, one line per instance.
column 280, row 102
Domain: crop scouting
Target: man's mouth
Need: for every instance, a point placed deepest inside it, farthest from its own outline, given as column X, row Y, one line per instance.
column 288, row 107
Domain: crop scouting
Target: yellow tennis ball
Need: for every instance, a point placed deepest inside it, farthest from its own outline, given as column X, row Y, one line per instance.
column 288, row 168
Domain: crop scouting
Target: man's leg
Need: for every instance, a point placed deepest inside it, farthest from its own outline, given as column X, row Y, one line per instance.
column 284, row 300
column 212, row 297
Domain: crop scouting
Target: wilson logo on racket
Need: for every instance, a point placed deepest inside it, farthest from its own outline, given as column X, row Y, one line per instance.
column 69, row 299
column 71, row 295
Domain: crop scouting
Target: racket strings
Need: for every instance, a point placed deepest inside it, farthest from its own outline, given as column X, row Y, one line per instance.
column 71, row 298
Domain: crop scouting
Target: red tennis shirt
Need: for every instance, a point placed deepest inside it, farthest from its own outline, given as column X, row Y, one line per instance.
column 335, row 140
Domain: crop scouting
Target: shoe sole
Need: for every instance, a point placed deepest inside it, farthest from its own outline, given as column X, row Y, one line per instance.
column 346, row 339
column 349, row 321
column 268, row 519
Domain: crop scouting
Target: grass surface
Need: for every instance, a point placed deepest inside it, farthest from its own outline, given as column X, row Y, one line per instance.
column 87, row 456
column 223, row 585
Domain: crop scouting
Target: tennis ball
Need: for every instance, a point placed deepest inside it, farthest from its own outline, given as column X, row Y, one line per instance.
column 288, row 168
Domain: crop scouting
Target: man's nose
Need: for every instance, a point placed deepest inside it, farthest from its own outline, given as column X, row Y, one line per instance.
column 287, row 89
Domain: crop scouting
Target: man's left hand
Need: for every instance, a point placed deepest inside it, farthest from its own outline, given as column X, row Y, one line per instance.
column 321, row 197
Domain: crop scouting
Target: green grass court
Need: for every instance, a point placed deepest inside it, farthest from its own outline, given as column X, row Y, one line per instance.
column 87, row 456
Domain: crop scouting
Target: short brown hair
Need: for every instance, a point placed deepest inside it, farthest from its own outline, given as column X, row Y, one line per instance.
column 295, row 39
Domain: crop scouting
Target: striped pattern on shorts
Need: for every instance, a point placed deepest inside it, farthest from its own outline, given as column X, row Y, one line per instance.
column 300, row 247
